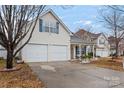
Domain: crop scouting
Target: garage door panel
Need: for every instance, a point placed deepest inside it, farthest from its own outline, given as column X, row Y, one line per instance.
column 35, row 53
column 58, row 53
column 102, row 53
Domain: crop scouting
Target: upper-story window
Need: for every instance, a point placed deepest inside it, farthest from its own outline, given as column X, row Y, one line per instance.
column 86, row 38
column 45, row 26
column 101, row 41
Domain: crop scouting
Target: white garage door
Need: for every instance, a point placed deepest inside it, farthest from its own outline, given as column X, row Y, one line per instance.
column 58, row 53
column 102, row 53
column 35, row 53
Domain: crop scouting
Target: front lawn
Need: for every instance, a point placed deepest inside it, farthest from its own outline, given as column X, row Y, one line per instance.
column 23, row 78
column 114, row 64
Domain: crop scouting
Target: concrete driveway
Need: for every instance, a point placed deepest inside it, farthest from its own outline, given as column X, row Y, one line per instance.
column 75, row 75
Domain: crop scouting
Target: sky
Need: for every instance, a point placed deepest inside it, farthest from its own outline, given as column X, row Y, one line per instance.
column 83, row 16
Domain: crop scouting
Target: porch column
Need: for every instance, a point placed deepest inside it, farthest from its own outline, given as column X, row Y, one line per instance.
column 86, row 50
column 74, row 55
column 93, row 51
column 80, row 54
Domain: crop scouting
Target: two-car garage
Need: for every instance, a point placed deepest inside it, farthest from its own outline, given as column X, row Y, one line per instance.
column 44, row 53
column 50, row 40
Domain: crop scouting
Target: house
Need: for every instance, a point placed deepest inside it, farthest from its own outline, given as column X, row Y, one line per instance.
column 53, row 41
column 113, row 46
column 50, row 40
column 2, row 52
column 84, row 42
column 111, row 40
column 121, row 48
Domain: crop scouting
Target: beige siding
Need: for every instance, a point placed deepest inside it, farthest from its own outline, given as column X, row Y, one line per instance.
column 63, row 38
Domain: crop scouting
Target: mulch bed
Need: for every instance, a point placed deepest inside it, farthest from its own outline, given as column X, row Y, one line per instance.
column 20, row 78
column 16, row 68
column 114, row 64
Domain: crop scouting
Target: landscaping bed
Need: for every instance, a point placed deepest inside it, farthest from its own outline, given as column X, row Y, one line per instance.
column 22, row 78
column 114, row 64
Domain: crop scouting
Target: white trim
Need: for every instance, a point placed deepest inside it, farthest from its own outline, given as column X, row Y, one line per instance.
column 47, row 44
column 36, row 44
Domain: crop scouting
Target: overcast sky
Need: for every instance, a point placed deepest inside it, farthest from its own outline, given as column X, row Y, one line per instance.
column 76, row 17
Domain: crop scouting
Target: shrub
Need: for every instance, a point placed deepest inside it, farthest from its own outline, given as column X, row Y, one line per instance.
column 87, row 56
column 90, row 54
column 98, row 56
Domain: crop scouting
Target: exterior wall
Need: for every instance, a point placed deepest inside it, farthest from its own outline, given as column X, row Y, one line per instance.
column 103, row 50
column 102, row 45
column 121, row 48
column 3, row 53
column 63, row 38
column 112, row 51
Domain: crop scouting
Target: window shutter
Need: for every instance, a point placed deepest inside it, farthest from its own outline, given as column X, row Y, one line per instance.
column 57, row 27
column 40, row 25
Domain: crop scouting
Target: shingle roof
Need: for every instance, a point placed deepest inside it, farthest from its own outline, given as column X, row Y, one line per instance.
column 75, row 39
column 92, row 35
column 79, row 38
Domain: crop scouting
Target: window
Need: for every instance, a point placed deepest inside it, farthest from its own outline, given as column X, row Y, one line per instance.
column 77, row 50
column 46, row 29
column 52, row 27
column 101, row 41
column 40, row 25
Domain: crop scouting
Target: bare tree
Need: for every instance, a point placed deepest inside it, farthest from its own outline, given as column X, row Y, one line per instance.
column 117, row 7
column 88, row 28
column 16, row 23
column 114, row 21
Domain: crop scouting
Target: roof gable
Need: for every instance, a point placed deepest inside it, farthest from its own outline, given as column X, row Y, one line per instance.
column 83, row 32
column 57, row 18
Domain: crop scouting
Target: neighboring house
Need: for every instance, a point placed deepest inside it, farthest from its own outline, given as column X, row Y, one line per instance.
column 111, row 40
column 113, row 46
column 50, row 40
column 121, row 48
column 2, row 52
column 83, row 42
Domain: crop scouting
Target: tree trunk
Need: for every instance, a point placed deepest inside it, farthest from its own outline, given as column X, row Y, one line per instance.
column 9, row 61
column 116, row 50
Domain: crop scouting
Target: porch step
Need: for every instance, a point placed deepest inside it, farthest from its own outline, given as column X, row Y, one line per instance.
column 75, row 60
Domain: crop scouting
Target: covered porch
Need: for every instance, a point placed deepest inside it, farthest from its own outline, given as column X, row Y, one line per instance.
column 80, row 49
